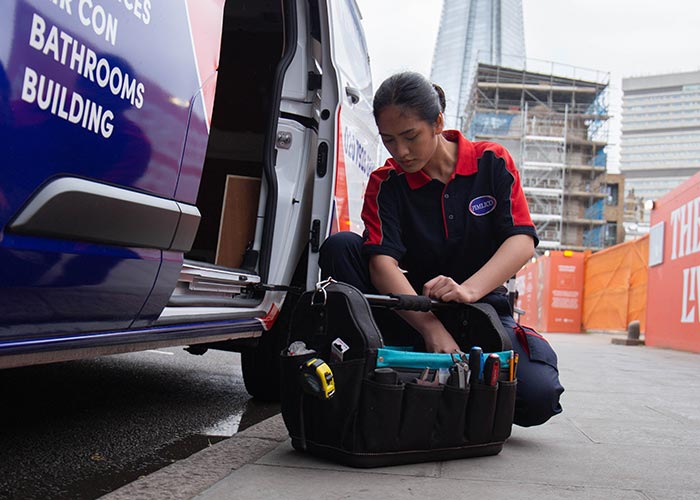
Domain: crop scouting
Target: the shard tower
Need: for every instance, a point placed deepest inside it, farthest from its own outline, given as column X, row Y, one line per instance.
column 471, row 31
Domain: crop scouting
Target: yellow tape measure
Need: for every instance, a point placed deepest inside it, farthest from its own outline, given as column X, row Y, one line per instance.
column 317, row 378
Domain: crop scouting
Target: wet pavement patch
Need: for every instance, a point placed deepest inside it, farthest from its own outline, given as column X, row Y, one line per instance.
column 97, row 486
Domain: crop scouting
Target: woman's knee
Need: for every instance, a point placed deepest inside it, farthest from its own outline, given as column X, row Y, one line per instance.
column 339, row 244
column 340, row 257
column 537, row 400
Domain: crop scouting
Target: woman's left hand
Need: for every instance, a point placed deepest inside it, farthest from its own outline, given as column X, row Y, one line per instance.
column 448, row 290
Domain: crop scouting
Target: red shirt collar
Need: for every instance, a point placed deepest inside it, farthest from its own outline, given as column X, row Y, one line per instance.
column 466, row 164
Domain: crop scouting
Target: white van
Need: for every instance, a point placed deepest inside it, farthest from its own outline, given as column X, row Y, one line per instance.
column 194, row 156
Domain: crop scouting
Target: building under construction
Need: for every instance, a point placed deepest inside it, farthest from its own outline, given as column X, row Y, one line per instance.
column 556, row 129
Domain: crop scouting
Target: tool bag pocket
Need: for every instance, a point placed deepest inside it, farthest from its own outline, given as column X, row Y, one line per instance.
column 505, row 410
column 309, row 418
column 292, row 393
column 418, row 416
column 451, row 417
column 333, row 421
column 380, row 415
column 482, row 410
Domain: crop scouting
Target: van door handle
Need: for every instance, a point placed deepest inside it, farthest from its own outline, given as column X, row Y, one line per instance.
column 353, row 94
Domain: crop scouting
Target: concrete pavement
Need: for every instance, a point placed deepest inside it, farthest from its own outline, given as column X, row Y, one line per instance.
column 630, row 430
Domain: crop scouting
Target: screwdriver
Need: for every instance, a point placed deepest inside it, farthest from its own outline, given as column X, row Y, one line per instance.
column 492, row 368
column 474, row 364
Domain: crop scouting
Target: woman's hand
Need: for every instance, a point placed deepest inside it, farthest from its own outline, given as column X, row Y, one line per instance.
column 448, row 290
column 388, row 278
column 440, row 340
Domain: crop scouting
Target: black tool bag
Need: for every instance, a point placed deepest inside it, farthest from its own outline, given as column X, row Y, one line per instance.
column 368, row 422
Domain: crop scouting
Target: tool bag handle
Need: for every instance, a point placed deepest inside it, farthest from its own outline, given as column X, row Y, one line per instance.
column 401, row 302
column 335, row 309
column 482, row 313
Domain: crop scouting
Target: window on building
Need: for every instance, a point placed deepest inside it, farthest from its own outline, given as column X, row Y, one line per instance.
column 612, row 190
column 610, row 234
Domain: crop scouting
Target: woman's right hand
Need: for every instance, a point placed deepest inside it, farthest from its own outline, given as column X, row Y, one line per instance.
column 388, row 278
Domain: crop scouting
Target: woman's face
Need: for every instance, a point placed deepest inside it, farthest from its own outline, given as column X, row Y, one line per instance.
column 410, row 140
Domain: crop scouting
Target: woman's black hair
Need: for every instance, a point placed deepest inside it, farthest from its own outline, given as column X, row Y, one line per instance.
column 411, row 92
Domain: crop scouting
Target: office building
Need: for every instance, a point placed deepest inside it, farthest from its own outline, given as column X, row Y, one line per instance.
column 472, row 31
column 660, row 145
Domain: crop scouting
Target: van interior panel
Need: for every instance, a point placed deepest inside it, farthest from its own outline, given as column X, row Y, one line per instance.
column 242, row 110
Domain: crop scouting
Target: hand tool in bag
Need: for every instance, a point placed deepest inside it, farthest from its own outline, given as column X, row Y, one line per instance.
column 492, row 368
column 475, row 364
column 423, row 379
column 386, row 376
column 459, row 375
column 338, row 350
column 459, row 371
column 511, row 367
column 507, row 369
column 317, row 378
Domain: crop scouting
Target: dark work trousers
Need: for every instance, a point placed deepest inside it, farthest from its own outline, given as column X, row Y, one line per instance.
column 538, row 392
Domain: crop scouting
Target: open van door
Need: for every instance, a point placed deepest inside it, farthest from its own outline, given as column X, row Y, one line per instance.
column 319, row 151
column 255, row 193
column 256, row 182
column 348, row 138
column 325, row 146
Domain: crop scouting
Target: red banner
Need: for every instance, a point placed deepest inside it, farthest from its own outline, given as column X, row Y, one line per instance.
column 673, row 308
column 551, row 292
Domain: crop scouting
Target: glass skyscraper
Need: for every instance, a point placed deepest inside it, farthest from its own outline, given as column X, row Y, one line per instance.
column 472, row 31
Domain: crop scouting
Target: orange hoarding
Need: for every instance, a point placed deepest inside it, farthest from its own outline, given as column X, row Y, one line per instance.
column 550, row 291
column 529, row 291
column 615, row 286
column 673, row 308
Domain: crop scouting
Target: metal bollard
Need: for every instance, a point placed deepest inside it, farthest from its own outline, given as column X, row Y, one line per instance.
column 633, row 331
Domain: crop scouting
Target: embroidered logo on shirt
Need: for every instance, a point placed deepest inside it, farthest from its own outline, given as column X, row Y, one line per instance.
column 482, row 205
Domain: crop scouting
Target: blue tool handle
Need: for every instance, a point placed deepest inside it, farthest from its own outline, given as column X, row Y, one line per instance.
column 475, row 364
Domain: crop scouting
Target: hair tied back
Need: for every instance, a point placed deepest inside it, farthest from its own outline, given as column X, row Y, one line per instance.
column 441, row 96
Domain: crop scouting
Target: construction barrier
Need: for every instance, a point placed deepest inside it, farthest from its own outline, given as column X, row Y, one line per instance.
column 615, row 286
column 673, row 309
column 550, row 292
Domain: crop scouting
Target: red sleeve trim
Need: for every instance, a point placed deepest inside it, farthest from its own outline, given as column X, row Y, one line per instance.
column 520, row 212
column 370, row 209
column 518, row 203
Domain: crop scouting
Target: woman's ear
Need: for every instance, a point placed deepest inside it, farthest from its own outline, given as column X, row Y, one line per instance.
column 439, row 124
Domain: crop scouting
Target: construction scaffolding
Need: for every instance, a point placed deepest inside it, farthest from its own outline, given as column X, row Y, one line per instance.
column 556, row 130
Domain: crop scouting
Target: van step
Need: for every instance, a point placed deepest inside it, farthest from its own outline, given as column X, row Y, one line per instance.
column 203, row 270
column 204, row 301
column 202, row 282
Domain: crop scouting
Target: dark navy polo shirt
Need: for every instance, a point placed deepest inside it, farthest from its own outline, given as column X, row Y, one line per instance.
column 452, row 229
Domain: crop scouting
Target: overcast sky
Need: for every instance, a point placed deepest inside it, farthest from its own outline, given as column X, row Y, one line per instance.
column 622, row 37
